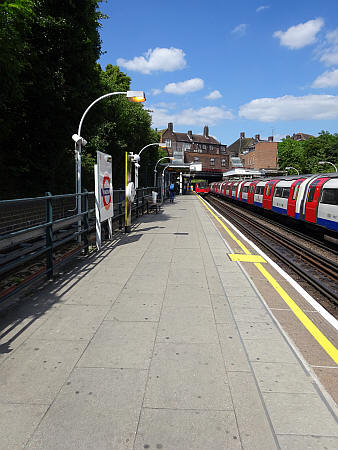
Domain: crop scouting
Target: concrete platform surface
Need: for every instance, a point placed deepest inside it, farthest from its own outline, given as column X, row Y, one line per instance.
column 157, row 342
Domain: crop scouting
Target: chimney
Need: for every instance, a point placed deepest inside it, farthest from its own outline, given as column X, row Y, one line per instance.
column 170, row 126
column 257, row 137
column 242, row 135
column 190, row 134
column 206, row 131
column 270, row 139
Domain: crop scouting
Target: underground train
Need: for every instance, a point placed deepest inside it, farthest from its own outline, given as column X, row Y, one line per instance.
column 309, row 198
column 202, row 187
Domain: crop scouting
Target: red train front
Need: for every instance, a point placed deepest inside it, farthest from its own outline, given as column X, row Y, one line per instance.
column 202, row 187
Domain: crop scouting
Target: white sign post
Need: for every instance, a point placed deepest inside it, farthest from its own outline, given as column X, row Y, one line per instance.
column 104, row 208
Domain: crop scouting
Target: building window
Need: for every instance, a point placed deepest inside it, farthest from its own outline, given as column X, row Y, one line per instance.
column 223, row 162
column 211, row 147
column 200, row 150
column 212, row 161
column 222, row 148
column 196, row 159
column 204, row 147
column 185, row 146
column 167, row 142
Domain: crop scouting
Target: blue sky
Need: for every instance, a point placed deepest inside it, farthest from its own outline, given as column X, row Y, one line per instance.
column 263, row 67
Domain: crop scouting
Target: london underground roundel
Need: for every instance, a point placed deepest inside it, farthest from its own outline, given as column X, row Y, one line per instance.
column 105, row 191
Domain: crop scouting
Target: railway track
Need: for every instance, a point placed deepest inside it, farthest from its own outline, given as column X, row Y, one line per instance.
column 318, row 271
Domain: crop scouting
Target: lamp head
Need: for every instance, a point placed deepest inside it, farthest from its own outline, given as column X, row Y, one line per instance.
column 321, row 163
column 137, row 165
column 79, row 140
column 162, row 145
column 136, row 96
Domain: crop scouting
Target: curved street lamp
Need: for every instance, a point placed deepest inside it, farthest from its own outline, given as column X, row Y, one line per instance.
column 322, row 163
column 137, row 157
column 171, row 158
column 290, row 167
column 132, row 96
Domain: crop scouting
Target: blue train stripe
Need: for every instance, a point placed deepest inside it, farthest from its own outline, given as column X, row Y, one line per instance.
column 279, row 210
column 258, row 204
column 328, row 224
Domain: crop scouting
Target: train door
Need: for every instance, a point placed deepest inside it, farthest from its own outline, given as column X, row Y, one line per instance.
column 293, row 197
column 251, row 192
column 313, row 199
column 268, row 194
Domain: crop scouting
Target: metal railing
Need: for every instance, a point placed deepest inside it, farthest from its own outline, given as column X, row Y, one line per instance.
column 52, row 226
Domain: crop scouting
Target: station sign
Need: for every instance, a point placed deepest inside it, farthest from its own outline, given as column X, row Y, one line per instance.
column 104, row 192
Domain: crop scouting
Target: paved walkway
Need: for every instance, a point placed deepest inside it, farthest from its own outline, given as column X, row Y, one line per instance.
column 160, row 342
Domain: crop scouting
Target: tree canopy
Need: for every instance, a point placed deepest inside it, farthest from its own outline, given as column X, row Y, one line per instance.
column 49, row 76
column 305, row 155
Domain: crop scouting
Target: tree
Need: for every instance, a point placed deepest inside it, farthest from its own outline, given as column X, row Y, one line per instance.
column 304, row 155
column 57, row 79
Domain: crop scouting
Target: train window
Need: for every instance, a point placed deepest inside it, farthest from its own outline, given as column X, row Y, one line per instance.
column 286, row 192
column 245, row 189
column 278, row 192
column 312, row 191
column 259, row 190
column 329, row 197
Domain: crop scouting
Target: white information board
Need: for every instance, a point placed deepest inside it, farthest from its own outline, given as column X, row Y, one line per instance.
column 105, row 187
column 197, row 167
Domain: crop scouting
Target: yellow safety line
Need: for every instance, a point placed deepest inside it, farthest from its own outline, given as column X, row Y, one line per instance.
column 246, row 258
column 308, row 324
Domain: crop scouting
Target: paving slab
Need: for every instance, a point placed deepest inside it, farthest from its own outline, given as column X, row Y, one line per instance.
column 283, row 377
column 121, row 345
column 17, row 423
column 187, row 376
column 274, row 351
column 72, row 322
column 182, row 324
column 37, row 369
column 304, row 414
column 95, row 292
column 133, row 307
column 234, row 355
column 187, row 430
column 180, row 296
column 96, row 409
column 221, row 307
column 250, row 413
column 291, row 442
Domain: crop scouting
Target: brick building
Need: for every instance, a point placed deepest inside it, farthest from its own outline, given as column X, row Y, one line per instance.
column 187, row 148
column 300, row 136
column 255, row 153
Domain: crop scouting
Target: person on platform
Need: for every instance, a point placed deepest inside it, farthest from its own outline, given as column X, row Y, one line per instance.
column 171, row 192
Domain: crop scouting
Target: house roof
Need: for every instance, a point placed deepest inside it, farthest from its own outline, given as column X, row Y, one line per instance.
column 240, row 145
column 198, row 138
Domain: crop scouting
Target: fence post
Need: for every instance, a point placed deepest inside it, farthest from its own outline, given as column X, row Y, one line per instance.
column 49, row 235
column 143, row 202
column 120, row 210
column 86, row 222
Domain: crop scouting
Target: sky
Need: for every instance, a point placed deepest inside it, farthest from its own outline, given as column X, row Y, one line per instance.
column 262, row 67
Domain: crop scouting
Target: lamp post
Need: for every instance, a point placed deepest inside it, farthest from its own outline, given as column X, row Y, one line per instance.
column 133, row 96
column 322, row 163
column 155, row 170
column 137, row 157
column 162, row 188
column 290, row 167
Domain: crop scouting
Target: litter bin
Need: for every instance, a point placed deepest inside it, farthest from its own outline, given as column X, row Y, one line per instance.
column 154, row 195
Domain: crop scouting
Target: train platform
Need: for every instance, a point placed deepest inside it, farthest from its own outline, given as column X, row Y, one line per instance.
column 178, row 336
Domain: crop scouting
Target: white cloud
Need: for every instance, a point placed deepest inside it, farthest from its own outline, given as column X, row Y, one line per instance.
column 166, row 105
column 298, row 36
column 156, row 91
column 308, row 107
column 328, row 53
column 261, row 8
column 164, row 59
column 210, row 115
column 240, row 30
column 326, row 79
column 183, row 87
column 214, row 95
